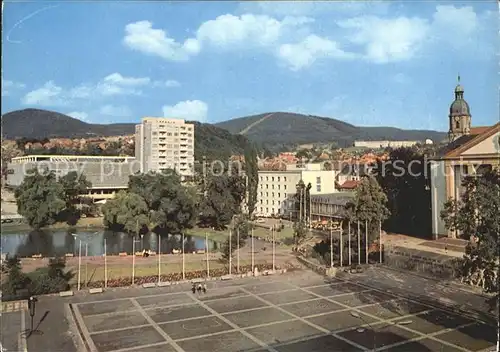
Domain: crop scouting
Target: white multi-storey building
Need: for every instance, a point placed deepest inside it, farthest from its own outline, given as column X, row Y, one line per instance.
column 165, row 143
column 277, row 188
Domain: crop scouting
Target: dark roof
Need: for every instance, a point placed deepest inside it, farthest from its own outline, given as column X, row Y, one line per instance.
column 341, row 198
column 459, row 108
column 455, row 144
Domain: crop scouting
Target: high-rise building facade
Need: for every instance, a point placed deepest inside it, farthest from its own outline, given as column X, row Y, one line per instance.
column 164, row 143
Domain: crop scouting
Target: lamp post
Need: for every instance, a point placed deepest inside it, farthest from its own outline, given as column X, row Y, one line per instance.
column 76, row 236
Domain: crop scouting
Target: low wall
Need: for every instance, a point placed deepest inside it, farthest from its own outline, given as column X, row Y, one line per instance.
column 320, row 269
column 427, row 263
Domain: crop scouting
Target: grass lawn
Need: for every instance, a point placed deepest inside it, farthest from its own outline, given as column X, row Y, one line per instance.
column 221, row 236
column 96, row 272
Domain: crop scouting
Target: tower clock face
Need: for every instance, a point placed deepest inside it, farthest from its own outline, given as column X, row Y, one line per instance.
column 457, row 118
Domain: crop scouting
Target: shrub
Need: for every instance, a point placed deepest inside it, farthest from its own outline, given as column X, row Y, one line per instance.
column 42, row 283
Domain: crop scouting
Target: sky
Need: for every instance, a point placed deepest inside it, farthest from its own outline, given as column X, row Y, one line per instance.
column 367, row 63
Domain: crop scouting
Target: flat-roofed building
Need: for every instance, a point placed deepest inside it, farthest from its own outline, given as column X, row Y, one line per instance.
column 384, row 144
column 108, row 174
column 165, row 143
column 277, row 188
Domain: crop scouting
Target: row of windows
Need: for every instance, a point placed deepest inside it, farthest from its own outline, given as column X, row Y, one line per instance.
column 272, row 178
column 272, row 202
column 272, row 194
column 272, row 186
column 267, row 210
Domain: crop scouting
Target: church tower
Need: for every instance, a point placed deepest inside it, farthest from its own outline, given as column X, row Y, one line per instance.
column 459, row 118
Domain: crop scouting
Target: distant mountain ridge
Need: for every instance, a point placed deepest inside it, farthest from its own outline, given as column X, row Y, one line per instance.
column 210, row 141
column 269, row 129
column 292, row 128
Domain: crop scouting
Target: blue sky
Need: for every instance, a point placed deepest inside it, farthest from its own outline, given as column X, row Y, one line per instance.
column 391, row 64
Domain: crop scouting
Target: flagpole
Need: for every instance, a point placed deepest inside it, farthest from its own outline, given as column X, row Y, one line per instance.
column 274, row 249
column 366, row 240
column 238, row 249
column 230, row 251
column 380, row 239
column 349, row 240
column 206, row 255
column 159, row 259
column 79, row 264
column 359, row 244
column 133, row 260
column 331, row 245
column 253, row 261
column 341, row 246
column 105, row 266
column 183, row 259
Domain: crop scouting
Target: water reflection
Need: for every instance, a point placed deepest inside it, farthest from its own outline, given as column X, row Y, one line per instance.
column 59, row 243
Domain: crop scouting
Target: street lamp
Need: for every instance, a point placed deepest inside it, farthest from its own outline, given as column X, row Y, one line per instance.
column 75, row 236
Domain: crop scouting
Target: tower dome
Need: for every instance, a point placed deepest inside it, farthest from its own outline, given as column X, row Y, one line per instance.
column 459, row 107
column 459, row 118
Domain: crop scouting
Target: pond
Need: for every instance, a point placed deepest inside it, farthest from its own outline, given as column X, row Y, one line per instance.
column 59, row 243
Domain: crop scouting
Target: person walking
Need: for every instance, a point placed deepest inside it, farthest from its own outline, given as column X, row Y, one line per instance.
column 193, row 288
column 204, row 288
column 199, row 288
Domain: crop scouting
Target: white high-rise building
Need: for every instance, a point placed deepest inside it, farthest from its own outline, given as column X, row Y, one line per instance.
column 165, row 143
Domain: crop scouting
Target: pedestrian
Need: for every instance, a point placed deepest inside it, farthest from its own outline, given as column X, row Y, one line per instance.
column 204, row 288
column 199, row 288
column 193, row 288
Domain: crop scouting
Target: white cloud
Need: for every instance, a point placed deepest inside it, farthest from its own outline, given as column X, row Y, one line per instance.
column 170, row 83
column 80, row 115
column 48, row 95
column 387, row 40
column 188, row 110
column 229, row 30
column 9, row 86
column 118, row 79
column 115, row 111
column 141, row 36
column 114, row 84
column 306, row 52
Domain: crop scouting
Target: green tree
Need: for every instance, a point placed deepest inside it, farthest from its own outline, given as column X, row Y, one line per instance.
column 50, row 279
column 252, row 173
column 40, row 198
column 299, row 232
column 369, row 205
column 74, row 186
column 403, row 177
column 475, row 216
column 127, row 212
column 171, row 204
column 222, row 201
column 16, row 279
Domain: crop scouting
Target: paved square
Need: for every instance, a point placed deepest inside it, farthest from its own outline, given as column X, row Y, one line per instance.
column 296, row 313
